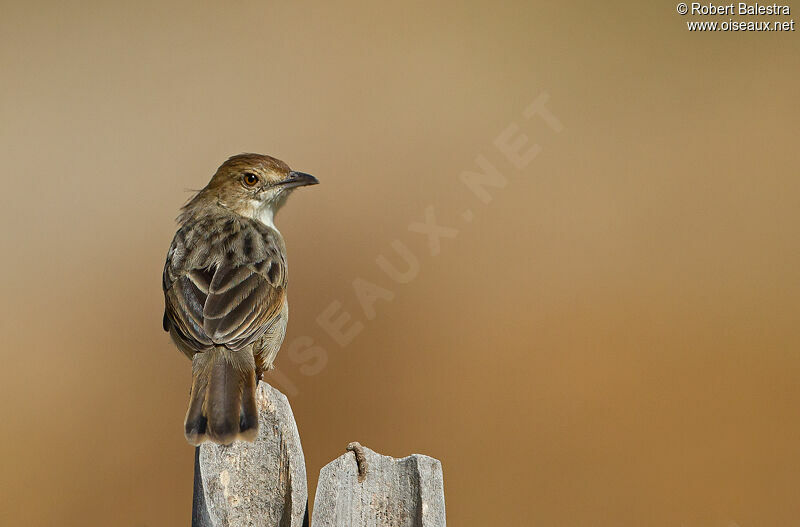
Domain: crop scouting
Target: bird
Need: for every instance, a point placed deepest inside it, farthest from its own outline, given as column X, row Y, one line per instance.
column 224, row 282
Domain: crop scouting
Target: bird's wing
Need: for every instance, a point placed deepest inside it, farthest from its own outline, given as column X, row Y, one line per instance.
column 224, row 289
column 243, row 301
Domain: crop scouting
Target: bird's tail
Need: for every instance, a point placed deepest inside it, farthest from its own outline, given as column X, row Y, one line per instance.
column 222, row 406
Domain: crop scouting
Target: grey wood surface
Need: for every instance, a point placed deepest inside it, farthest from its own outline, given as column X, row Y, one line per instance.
column 254, row 484
column 365, row 489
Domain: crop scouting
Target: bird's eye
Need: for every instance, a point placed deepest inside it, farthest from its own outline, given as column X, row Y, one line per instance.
column 250, row 179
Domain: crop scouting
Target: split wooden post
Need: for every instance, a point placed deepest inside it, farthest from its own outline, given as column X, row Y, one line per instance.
column 264, row 483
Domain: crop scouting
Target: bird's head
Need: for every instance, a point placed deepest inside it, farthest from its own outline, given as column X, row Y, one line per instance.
column 254, row 185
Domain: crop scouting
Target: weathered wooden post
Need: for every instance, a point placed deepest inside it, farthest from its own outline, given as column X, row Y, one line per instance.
column 255, row 484
column 366, row 489
column 264, row 483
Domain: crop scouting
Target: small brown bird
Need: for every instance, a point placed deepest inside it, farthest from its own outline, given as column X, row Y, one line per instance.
column 225, row 292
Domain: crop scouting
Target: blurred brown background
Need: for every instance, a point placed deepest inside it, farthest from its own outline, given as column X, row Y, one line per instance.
column 612, row 341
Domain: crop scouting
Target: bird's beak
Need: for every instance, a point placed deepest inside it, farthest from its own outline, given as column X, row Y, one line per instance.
column 298, row 179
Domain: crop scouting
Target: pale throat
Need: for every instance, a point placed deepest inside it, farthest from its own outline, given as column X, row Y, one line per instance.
column 263, row 211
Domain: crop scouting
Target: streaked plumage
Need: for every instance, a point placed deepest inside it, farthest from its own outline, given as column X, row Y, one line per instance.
column 225, row 292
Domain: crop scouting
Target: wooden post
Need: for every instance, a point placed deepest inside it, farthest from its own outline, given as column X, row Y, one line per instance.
column 255, row 484
column 366, row 489
column 264, row 483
